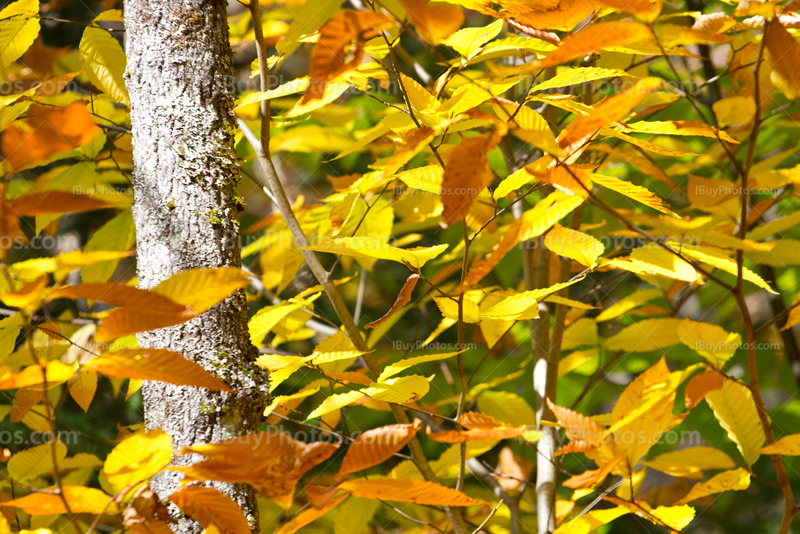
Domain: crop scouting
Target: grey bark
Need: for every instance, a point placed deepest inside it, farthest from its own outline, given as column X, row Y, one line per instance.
column 179, row 77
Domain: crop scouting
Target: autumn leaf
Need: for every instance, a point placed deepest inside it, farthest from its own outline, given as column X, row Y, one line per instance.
column 208, row 506
column 80, row 500
column 411, row 491
column 374, row 446
column 135, row 459
column 403, row 298
column 155, row 364
column 270, row 461
column 466, row 174
column 340, row 46
column 46, row 132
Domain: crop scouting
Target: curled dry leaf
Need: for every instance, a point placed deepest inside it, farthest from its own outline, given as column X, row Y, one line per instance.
column 403, row 298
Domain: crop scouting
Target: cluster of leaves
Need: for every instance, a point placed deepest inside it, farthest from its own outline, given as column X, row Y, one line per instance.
column 470, row 129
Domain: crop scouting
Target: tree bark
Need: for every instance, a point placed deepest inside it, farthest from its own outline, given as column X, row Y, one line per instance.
column 179, row 77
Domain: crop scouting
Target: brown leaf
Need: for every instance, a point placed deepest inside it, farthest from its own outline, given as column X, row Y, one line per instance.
column 513, row 470
column 208, row 506
column 51, row 202
column 466, row 174
column 403, row 298
column 146, row 514
column 155, row 364
column 374, row 446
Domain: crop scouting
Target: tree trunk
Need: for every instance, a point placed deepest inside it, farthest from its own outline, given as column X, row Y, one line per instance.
column 185, row 208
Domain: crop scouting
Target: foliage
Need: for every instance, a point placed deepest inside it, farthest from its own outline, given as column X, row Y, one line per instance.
column 599, row 191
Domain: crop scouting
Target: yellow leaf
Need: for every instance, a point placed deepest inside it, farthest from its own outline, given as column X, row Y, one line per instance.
column 786, row 446
column 734, row 111
column 103, row 59
column 155, row 364
column 81, row 501
column 575, row 245
column 19, row 26
column 82, row 387
column 690, row 462
column 646, row 335
column 709, row 340
column 397, row 367
column 628, row 303
column 576, row 76
column 507, row 407
column 399, row 390
column 199, row 289
column 736, row 479
column 135, row 459
column 411, row 491
column 208, row 507
column 35, row 461
column 735, row 410
column 370, row 247
column 632, row 191
column 591, row 521
column 289, row 88
column 427, row 178
column 118, row 234
column 783, row 56
column 677, row 517
column 678, row 128
column 719, row 259
column 335, row 402
column 468, row 40
column 546, row 213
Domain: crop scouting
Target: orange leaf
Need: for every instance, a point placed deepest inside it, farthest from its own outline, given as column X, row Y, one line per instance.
column 270, row 461
column 403, row 298
column 591, row 39
column 304, row 518
column 466, row 174
column 701, row 384
column 405, row 490
column 340, row 46
column 81, row 501
column 374, row 446
column 155, row 364
column 480, row 427
column 45, row 132
column 433, row 21
column 606, row 113
column 590, row 478
column 32, row 375
column 564, row 177
column 208, row 506
column 55, row 201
